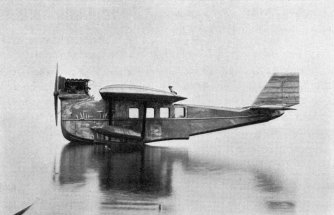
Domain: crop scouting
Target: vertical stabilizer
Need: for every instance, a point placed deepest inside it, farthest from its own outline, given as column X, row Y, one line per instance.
column 282, row 89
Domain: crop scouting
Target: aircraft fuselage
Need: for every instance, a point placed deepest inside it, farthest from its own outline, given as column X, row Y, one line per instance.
column 152, row 121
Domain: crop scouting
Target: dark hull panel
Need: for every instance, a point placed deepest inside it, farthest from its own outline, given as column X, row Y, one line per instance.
column 79, row 115
column 201, row 126
column 88, row 121
column 166, row 129
column 97, row 139
column 117, row 132
column 204, row 131
column 158, row 132
column 73, row 138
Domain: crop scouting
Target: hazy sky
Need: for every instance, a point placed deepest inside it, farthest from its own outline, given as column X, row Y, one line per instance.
column 217, row 52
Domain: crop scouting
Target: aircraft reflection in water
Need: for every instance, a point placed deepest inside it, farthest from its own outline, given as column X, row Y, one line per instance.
column 147, row 171
column 148, row 174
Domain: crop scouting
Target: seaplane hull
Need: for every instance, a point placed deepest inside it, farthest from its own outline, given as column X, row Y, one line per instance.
column 129, row 114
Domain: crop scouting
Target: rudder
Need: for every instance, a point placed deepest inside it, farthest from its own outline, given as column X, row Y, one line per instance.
column 282, row 89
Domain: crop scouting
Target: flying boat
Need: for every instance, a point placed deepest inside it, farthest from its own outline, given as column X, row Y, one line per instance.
column 130, row 114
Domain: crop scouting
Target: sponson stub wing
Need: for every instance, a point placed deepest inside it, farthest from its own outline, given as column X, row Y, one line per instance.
column 280, row 93
column 117, row 131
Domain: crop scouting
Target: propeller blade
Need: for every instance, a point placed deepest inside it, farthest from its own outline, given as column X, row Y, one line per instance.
column 56, row 108
column 55, row 94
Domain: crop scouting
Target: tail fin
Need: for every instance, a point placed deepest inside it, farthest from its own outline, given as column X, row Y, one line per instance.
column 282, row 89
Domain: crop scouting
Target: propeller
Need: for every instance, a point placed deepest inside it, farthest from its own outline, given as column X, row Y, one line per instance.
column 55, row 94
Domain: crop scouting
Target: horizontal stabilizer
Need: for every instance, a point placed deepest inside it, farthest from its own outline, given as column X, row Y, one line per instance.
column 270, row 107
column 282, row 90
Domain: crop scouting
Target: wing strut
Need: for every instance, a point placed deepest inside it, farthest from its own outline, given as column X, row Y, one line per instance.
column 110, row 113
column 143, row 131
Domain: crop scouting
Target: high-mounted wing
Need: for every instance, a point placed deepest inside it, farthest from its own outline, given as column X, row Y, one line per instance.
column 134, row 92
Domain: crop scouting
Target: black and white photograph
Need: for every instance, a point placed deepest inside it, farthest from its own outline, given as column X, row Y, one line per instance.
column 167, row 107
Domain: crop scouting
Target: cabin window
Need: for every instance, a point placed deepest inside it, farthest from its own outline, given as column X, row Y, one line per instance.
column 180, row 112
column 149, row 112
column 133, row 113
column 164, row 112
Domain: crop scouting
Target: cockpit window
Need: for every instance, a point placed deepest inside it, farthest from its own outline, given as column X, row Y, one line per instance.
column 180, row 112
column 164, row 112
column 149, row 112
column 133, row 113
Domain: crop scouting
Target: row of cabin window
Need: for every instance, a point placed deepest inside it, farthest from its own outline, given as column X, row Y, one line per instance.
column 164, row 112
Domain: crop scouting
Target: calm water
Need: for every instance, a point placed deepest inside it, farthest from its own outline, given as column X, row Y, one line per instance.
column 187, row 177
column 95, row 180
